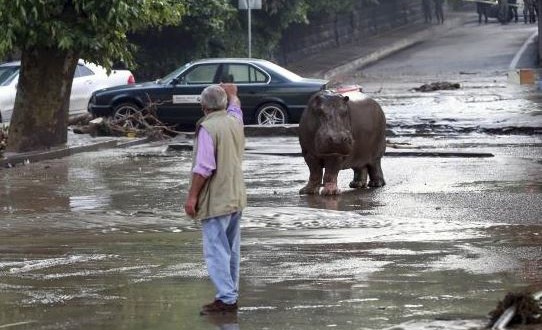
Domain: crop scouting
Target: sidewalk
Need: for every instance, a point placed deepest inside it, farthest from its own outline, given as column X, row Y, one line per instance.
column 76, row 143
column 331, row 63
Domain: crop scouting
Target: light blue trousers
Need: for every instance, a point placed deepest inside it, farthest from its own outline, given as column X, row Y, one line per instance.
column 221, row 249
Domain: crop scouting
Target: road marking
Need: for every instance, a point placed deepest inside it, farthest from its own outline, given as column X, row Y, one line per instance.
column 522, row 50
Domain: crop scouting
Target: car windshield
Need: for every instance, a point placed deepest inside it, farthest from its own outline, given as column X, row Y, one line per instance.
column 283, row 72
column 167, row 79
column 7, row 73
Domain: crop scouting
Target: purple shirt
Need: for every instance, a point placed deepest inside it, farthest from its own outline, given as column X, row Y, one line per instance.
column 205, row 158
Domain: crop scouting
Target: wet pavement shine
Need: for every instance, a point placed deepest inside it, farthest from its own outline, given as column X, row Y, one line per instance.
column 99, row 240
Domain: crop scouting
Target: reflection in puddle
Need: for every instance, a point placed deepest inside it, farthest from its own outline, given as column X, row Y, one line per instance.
column 59, row 296
column 33, row 265
column 324, row 225
column 439, row 325
column 89, row 202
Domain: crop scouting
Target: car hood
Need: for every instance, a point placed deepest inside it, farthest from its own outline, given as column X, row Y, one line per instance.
column 6, row 92
column 4, row 89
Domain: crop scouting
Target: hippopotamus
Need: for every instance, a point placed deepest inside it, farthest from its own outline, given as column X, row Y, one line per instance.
column 340, row 131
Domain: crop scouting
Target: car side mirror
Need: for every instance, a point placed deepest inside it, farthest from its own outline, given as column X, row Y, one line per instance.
column 175, row 81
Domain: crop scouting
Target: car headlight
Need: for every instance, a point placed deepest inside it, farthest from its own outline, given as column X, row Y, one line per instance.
column 92, row 101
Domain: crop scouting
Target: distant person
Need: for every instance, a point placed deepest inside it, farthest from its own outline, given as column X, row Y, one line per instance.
column 513, row 10
column 439, row 11
column 217, row 191
column 482, row 9
column 530, row 11
column 526, row 18
column 426, row 9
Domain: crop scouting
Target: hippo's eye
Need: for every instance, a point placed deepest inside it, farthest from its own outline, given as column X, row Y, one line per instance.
column 321, row 110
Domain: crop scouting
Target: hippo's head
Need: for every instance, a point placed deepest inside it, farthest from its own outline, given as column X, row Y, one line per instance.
column 334, row 133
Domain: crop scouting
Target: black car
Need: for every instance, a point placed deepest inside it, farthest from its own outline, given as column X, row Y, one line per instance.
column 269, row 94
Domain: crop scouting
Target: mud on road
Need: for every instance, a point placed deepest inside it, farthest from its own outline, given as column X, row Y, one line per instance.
column 98, row 240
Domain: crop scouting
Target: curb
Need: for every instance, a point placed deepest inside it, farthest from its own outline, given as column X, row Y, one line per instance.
column 11, row 160
column 371, row 58
column 384, row 52
column 272, row 130
column 417, row 153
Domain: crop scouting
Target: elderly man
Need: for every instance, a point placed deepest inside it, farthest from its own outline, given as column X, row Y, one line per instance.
column 217, row 192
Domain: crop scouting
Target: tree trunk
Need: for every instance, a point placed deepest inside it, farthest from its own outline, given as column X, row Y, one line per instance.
column 539, row 34
column 40, row 113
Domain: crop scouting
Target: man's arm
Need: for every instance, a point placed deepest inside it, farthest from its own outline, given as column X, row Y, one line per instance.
column 231, row 92
column 190, row 206
column 205, row 164
column 234, row 104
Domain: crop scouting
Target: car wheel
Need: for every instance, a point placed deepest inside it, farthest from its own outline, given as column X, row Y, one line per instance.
column 127, row 115
column 271, row 114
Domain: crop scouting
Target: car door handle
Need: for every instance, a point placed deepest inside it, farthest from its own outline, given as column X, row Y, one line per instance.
column 88, row 82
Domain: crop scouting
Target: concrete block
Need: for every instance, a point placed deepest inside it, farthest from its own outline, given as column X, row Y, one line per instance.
column 523, row 76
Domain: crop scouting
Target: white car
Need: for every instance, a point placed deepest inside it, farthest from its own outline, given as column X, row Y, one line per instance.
column 88, row 77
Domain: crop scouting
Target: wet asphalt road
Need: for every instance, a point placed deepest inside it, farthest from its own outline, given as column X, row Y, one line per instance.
column 99, row 241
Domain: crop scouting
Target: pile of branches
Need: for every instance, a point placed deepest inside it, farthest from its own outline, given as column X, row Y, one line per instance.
column 3, row 139
column 141, row 123
column 436, row 86
column 527, row 309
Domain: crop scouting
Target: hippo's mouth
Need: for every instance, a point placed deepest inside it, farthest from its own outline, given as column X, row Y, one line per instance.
column 333, row 154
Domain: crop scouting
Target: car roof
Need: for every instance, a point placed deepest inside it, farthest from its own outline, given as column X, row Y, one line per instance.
column 229, row 59
column 18, row 63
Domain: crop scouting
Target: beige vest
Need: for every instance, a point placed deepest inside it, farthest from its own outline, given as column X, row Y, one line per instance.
column 224, row 192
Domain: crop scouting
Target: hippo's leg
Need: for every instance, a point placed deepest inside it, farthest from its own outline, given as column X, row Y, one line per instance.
column 330, row 179
column 360, row 178
column 376, row 176
column 315, row 178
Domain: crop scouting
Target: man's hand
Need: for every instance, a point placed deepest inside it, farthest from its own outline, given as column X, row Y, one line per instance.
column 231, row 92
column 230, row 89
column 190, row 206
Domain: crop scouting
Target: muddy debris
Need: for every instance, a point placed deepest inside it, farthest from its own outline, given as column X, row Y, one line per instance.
column 436, row 86
column 142, row 123
column 517, row 308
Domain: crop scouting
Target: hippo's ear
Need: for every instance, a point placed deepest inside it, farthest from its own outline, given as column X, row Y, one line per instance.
column 345, row 99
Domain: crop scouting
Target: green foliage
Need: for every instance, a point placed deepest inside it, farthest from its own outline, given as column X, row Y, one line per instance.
column 93, row 29
column 332, row 7
column 208, row 22
column 207, row 26
column 214, row 28
column 3, row 138
column 280, row 14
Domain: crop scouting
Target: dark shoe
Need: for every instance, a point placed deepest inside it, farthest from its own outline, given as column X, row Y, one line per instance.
column 218, row 306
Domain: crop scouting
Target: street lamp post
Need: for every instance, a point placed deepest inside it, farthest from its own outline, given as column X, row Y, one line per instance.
column 249, row 29
column 249, row 5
